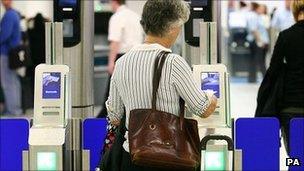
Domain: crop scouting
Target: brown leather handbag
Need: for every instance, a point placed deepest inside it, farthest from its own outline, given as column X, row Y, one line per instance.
column 160, row 139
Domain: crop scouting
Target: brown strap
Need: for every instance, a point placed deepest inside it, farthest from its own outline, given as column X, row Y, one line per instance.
column 158, row 66
column 182, row 109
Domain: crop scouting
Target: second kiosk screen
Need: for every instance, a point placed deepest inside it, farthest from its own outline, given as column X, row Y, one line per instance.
column 51, row 85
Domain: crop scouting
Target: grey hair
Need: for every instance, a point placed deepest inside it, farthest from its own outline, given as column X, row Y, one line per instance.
column 159, row 16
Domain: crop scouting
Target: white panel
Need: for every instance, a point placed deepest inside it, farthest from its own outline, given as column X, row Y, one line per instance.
column 30, row 8
column 46, row 136
column 136, row 6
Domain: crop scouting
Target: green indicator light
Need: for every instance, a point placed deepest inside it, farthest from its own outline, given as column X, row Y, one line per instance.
column 215, row 161
column 46, row 161
column 98, row 7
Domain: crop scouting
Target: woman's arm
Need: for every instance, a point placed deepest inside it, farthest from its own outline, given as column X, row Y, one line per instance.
column 211, row 108
column 114, row 104
column 200, row 103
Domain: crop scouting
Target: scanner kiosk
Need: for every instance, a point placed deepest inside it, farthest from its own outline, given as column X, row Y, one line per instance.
column 48, row 145
column 52, row 96
column 216, row 156
column 211, row 76
column 215, row 78
column 55, row 138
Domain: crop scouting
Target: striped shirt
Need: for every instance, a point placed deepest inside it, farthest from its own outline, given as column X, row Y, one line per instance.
column 131, row 84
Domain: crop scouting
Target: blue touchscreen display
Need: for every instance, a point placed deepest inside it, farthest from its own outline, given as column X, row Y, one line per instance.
column 199, row 2
column 211, row 81
column 51, row 85
column 67, row 3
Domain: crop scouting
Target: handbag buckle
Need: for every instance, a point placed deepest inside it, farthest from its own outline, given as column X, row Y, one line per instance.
column 152, row 127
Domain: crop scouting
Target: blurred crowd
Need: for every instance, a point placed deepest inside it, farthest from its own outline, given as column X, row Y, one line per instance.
column 20, row 37
column 255, row 28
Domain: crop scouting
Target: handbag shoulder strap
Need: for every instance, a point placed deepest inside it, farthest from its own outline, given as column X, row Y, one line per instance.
column 158, row 66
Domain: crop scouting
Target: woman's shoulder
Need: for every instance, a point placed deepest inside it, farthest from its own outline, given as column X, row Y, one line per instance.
column 171, row 58
column 294, row 29
column 293, row 34
column 174, row 55
column 175, row 58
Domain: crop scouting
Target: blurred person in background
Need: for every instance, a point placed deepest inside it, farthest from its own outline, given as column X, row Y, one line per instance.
column 37, row 39
column 238, row 45
column 259, row 40
column 285, row 76
column 10, row 37
column 238, row 18
column 231, row 6
column 263, row 31
column 283, row 18
column 263, row 11
column 36, row 33
column 290, row 47
column 125, row 32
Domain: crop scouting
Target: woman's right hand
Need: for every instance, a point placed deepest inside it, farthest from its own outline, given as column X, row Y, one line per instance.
column 211, row 108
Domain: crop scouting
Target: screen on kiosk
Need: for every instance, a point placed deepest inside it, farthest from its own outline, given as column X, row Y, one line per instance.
column 51, row 85
column 67, row 3
column 199, row 3
column 211, row 82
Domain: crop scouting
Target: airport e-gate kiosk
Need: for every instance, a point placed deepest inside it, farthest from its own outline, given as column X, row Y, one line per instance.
column 55, row 138
column 49, row 147
column 217, row 127
column 202, row 52
column 216, row 79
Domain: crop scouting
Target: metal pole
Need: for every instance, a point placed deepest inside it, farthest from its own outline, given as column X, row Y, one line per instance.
column 53, row 43
column 204, row 44
column 48, row 43
column 218, row 19
column 57, row 42
column 25, row 160
column 208, row 43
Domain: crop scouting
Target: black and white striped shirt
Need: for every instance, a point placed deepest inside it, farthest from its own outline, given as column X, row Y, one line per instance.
column 131, row 84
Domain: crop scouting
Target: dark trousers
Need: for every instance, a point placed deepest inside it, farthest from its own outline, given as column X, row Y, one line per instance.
column 104, row 113
column 257, row 60
column 285, row 119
